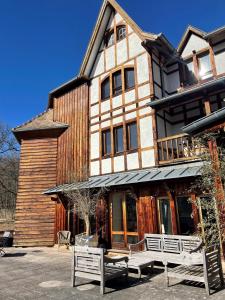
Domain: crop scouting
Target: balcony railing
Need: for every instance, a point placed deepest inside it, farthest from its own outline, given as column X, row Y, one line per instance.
column 177, row 148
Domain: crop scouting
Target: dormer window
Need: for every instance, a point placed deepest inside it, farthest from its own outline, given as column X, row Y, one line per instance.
column 109, row 38
column 205, row 69
column 120, row 32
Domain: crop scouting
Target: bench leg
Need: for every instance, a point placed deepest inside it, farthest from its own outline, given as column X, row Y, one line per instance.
column 166, row 275
column 139, row 273
column 102, row 287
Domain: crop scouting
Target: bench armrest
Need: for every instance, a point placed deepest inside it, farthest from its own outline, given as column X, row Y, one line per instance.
column 199, row 247
column 133, row 247
column 110, row 260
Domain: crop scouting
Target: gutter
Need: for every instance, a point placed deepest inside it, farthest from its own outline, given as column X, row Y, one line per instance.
column 188, row 93
column 204, row 122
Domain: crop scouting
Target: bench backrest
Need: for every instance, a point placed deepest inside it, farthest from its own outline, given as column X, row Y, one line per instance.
column 88, row 259
column 64, row 236
column 170, row 243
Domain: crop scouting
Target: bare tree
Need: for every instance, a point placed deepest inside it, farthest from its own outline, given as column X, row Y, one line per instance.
column 84, row 202
column 9, row 162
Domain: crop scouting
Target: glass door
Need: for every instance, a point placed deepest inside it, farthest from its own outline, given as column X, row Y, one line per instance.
column 123, row 216
column 164, row 213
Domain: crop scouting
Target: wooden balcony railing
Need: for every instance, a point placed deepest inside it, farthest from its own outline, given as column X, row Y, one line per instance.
column 176, row 148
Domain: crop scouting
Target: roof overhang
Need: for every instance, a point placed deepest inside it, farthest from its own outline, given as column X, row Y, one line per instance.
column 206, row 122
column 133, row 177
column 216, row 35
column 195, row 91
column 65, row 87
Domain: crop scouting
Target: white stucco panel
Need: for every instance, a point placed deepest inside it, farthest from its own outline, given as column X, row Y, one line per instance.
column 110, row 57
column 95, row 127
column 111, row 22
column 118, row 18
column 94, row 120
column 105, row 117
column 95, row 168
column 130, row 30
column 144, row 91
column 94, row 91
column 130, row 107
column 106, row 166
column 135, row 46
column 131, row 115
column 105, row 106
column 194, row 43
column 99, row 65
column 94, row 110
column 146, row 133
column 119, row 163
column 105, row 124
column 142, row 68
column 117, row 112
column 130, row 96
column 144, row 102
column 122, row 51
column 117, row 101
column 94, row 145
column 117, row 120
column 144, row 111
column 148, row 158
column 132, row 161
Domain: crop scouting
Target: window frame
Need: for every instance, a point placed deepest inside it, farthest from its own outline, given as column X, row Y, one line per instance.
column 117, row 90
column 115, row 140
column 128, row 136
column 104, row 80
column 127, row 88
column 118, row 27
column 104, row 144
column 209, row 73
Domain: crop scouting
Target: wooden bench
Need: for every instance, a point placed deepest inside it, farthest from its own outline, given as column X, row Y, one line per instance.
column 185, row 251
column 91, row 263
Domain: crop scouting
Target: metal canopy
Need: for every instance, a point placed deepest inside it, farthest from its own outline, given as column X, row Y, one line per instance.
column 132, row 177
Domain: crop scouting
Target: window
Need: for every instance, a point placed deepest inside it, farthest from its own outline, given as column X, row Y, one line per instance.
column 205, row 70
column 185, row 218
column 105, row 89
column 109, row 38
column 117, row 83
column 129, row 78
column 132, row 136
column 118, row 139
column 121, row 32
column 106, row 142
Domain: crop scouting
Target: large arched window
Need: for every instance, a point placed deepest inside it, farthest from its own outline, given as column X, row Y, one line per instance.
column 120, row 32
column 105, row 89
column 129, row 78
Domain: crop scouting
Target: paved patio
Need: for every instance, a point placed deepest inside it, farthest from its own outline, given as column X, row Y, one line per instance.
column 44, row 273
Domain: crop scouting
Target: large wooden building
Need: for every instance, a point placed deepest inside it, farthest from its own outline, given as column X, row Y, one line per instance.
column 119, row 124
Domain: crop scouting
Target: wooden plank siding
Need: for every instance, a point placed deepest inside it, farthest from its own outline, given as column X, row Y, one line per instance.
column 35, row 212
column 72, row 108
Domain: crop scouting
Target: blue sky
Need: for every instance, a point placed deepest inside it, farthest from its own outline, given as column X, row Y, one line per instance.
column 42, row 42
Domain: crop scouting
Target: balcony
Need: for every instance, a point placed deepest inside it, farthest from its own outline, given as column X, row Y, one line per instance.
column 177, row 148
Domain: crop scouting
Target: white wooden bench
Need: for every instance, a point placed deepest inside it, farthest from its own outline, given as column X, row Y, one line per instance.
column 91, row 263
column 185, row 251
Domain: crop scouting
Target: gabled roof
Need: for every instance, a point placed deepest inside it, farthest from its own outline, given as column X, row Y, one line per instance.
column 189, row 30
column 105, row 10
column 42, row 121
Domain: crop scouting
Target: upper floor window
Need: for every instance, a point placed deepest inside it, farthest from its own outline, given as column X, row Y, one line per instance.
column 117, row 83
column 120, row 32
column 129, row 78
column 106, row 142
column 105, row 89
column 131, row 136
column 118, row 139
column 109, row 38
column 205, row 70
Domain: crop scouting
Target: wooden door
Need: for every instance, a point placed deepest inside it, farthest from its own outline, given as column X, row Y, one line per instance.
column 123, row 220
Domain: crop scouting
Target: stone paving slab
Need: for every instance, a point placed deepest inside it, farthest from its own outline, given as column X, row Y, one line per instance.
column 44, row 273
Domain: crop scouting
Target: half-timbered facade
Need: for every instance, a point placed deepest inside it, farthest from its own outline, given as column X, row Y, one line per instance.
column 119, row 124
